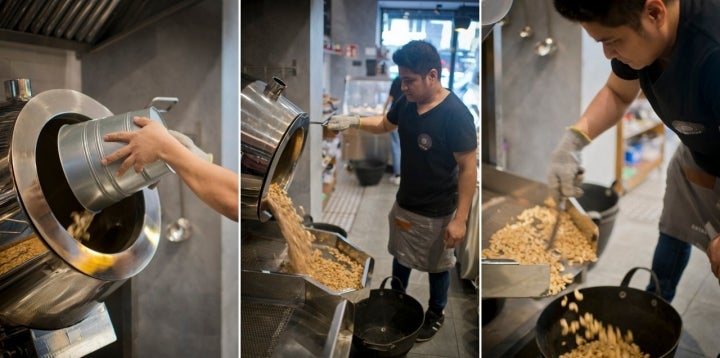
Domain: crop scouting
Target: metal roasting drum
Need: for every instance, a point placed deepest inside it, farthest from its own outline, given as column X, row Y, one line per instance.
column 289, row 314
column 48, row 280
column 272, row 135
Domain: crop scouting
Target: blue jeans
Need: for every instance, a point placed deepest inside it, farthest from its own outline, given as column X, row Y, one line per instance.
column 395, row 148
column 439, row 284
column 669, row 261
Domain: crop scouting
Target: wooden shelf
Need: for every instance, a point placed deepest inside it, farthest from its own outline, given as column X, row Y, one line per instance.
column 648, row 125
column 641, row 170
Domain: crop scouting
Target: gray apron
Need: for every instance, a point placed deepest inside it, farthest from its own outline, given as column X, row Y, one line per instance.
column 418, row 242
column 691, row 200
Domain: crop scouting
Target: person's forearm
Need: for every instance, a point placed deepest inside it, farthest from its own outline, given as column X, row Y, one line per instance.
column 604, row 111
column 218, row 189
column 608, row 107
column 374, row 124
column 214, row 185
column 467, row 181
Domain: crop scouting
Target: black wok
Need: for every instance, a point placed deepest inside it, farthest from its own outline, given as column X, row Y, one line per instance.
column 386, row 323
column 655, row 324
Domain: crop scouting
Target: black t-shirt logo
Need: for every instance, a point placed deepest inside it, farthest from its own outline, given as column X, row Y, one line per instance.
column 424, row 142
column 688, row 128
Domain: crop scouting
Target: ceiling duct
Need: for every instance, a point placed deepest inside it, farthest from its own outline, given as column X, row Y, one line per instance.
column 80, row 25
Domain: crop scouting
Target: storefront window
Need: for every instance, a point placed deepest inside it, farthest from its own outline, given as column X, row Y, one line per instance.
column 461, row 69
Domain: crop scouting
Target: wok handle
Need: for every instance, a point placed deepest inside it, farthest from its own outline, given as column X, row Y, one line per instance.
column 628, row 276
column 382, row 285
column 379, row 347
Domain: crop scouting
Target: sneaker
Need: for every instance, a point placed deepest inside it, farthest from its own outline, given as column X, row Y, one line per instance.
column 395, row 179
column 432, row 324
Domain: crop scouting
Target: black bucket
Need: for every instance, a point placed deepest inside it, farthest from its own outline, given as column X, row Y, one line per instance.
column 601, row 204
column 386, row 323
column 368, row 171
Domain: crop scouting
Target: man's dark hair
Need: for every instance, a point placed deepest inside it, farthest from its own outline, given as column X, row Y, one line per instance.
column 610, row 13
column 419, row 57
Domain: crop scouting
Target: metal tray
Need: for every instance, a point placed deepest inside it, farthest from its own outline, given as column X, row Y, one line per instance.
column 263, row 248
column 284, row 315
column 504, row 196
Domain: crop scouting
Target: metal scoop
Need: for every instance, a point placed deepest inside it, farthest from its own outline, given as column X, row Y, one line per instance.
column 323, row 123
column 560, row 208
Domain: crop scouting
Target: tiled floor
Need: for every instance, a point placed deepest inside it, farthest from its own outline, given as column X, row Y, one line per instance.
column 631, row 244
column 459, row 336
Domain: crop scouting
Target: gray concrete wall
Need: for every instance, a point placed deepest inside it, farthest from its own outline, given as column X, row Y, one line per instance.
column 47, row 68
column 177, row 298
column 274, row 34
column 599, row 157
column 352, row 22
column 541, row 95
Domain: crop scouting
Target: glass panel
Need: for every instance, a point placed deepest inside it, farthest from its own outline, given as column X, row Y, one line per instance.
column 466, row 78
column 401, row 26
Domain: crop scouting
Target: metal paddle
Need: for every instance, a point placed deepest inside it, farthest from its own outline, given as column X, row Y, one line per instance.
column 561, row 206
column 323, row 123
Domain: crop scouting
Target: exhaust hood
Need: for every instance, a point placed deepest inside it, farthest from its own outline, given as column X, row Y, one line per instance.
column 80, row 25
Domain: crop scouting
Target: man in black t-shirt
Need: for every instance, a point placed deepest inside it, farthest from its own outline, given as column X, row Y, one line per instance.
column 671, row 50
column 438, row 144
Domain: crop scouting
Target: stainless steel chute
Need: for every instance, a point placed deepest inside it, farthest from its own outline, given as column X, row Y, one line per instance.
column 264, row 249
column 288, row 316
column 49, row 280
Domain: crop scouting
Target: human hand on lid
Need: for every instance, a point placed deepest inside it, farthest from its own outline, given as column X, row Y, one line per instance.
column 144, row 146
column 147, row 145
column 566, row 173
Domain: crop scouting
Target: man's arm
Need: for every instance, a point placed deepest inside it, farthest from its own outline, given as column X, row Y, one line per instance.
column 608, row 106
column 376, row 124
column 605, row 110
column 213, row 184
column 467, row 181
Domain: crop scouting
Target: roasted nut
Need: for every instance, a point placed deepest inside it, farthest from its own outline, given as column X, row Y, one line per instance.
column 338, row 274
column 524, row 240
